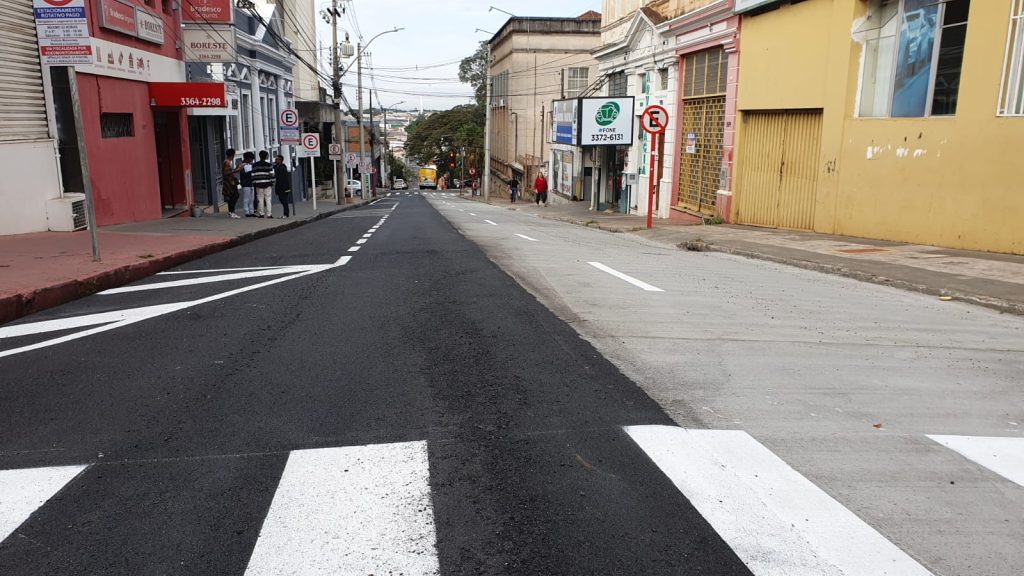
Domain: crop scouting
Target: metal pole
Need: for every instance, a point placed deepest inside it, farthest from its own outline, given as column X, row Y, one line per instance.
column 312, row 180
column 650, row 182
column 373, row 130
column 362, row 132
column 336, row 75
column 487, row 131
column 90, row 207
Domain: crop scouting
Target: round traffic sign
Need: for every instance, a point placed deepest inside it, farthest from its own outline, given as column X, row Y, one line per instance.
column 311, row 141
column 334, row 149
column 289, row 117
column 58, row 3
column 654, row 120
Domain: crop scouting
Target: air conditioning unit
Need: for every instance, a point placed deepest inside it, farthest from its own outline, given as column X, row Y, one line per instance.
column 67, row 213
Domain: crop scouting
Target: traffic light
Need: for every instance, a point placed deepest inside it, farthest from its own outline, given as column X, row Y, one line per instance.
column 451, row 164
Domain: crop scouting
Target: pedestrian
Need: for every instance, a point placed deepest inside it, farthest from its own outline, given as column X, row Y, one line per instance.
column 245, row 177
column 229, row 181
column 263, row 182
column 513, row 185
column 283, row 183
column 540, row 188
column 476, row 187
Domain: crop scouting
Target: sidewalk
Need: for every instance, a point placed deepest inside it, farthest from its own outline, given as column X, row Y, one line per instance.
column 46, row 269
column 983, row 278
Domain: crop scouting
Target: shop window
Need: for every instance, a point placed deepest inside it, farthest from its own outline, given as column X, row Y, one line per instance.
column 617, row 84
column 1011, row 93
column 115, row 125
column 705, row 73
column 914, row 51
column 577, row 81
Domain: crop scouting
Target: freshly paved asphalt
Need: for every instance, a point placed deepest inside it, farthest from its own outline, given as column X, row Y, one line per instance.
column 187, row 419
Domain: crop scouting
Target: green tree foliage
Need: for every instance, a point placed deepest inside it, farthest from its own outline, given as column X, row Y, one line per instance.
column 461, row 128
column 398, row 167
column 473, row 71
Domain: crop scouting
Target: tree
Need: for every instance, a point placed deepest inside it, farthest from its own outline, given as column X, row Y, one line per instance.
column 460, row 128
column 398, row 167
column 473, row 70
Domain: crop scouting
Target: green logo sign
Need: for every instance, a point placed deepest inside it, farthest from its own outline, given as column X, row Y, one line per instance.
column 607, row 114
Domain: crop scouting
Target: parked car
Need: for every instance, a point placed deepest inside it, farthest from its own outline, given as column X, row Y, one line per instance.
column 400, row 184
column 354, row 188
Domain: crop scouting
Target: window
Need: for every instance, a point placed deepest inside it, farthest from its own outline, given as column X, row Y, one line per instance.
column 272, row 118
column 1011, row 93
column 663, row 79
column 499, row 90
column 116, row 125
column 914, row 51
column 617, row 84
column 246, row 120
column 705, row 73
column 577, row 82
column 266, row 125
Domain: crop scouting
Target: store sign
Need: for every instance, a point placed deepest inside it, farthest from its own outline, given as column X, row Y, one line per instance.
column 207, row 12
column 564, row 118
column 187, row 94
column 131, row 63
column 606, row 121
column 118, row 16
column 747, row 5
column 62, row 28
column 210, row 44
column 150, row 26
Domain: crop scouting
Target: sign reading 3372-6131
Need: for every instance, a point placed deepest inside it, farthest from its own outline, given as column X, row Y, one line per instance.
column 606, row 122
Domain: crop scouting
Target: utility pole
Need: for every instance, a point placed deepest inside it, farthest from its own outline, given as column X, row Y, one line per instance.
column 487, row 131
column 362, row 131
column 339, row 191
column 373, row 133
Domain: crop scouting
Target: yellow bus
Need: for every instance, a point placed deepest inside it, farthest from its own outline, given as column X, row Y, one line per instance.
column 428, row 177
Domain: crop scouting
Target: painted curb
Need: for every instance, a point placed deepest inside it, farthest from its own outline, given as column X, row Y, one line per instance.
column 22, row 304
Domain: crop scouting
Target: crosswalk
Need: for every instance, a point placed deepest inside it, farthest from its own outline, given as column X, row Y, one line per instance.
column 369, row 509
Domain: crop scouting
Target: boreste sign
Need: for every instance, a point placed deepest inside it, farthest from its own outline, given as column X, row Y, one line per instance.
column 606, row 121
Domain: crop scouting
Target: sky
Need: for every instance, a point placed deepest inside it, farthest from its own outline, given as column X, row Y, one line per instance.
column 435, row 32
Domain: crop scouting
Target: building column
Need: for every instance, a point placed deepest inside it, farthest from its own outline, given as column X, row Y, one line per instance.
column 257, row 111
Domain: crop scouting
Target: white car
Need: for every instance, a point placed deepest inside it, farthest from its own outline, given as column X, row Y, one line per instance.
column 400, row 184
column 354, row 188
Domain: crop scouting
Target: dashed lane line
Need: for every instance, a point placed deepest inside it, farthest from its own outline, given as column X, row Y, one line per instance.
column 638, row 283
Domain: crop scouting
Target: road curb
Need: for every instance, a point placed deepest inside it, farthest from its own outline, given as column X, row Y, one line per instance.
column 22, row 304
column 988, row 302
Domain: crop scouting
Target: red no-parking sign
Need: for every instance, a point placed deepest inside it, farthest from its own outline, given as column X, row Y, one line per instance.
column 654, row 120
column 310, row 147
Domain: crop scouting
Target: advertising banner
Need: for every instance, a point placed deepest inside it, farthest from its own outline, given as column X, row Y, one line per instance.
column 118, row 16
column 131, row 63
column 150, row 26
column 564, row 118
column 606, row 121
column 187, row 94
column 207, row 12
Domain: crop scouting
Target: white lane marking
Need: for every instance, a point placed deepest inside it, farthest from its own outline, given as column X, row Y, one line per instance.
column 461, row 210
column 342, row 261
column 626, row 277
column 354, row 249
column 774, row 519
column 73, row 322
column 528, row 238
column 368, row 235
column 471, row 214
column 22, row 492
column 393, row 207
column 353, row 510
column 1002, row 455
column 154, row 311
column 219, row 270
column 361, row 241
column 374, row 202
column 491, row 223
column 203, row 280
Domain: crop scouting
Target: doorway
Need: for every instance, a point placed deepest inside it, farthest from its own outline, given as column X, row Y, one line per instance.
column 162, row 129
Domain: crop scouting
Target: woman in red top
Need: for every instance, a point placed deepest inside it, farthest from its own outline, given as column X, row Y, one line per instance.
column 540, row 186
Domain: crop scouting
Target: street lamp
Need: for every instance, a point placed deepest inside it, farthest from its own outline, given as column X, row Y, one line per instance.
column 337, row 110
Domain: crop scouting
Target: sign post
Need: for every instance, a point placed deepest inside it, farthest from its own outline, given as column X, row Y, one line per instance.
column 334, row 154
column 654, row 121
column 311, row 149
column 289, row 127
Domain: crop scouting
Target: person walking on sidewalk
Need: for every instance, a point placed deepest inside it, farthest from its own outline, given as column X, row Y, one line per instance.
column 283, row 183
column 513, row 185
column 229, row 181
column 540, row 187
column 263, row 182
column 245, row 177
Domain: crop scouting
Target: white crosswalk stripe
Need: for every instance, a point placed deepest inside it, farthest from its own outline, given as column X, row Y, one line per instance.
column 1002, row 455
column 22, row 492
column 356, row 510
column 776, row 521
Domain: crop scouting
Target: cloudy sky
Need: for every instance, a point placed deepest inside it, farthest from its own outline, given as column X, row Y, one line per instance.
column 422, row 60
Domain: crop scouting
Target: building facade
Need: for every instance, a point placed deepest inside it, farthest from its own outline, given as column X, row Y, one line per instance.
column 892, row 119
column 535, row 61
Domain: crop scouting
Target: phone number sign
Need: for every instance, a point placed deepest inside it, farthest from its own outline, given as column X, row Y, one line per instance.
column 187, row 95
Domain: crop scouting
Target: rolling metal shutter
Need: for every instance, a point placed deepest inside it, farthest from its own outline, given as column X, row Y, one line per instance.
column 22, row 103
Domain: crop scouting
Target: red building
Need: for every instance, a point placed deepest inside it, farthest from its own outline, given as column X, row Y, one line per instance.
column 139, row 160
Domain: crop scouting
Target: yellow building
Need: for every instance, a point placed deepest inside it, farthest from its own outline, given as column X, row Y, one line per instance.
column 892, row 119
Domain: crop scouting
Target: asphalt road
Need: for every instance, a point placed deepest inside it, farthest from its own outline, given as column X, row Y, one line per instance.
column 294, row 406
